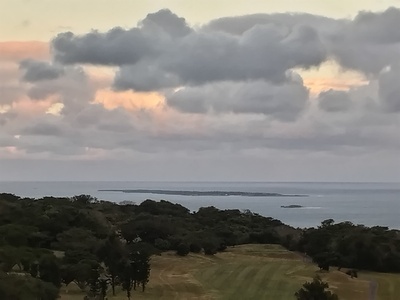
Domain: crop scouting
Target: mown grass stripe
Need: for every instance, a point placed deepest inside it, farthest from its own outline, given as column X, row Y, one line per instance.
column 240, row 284
column 256, row 287
column 277, row 285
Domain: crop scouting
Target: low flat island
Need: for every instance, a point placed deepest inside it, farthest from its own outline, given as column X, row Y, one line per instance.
column 292, row 206
column 203, row 193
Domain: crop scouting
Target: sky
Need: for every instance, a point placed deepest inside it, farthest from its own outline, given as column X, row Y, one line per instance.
column 206, row 90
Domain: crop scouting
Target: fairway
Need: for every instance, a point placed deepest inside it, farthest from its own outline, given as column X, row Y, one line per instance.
column 248, row 272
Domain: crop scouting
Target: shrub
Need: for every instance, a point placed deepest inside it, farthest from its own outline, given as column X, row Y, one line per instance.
column 163, row 245
column 195, row 247
column 317, row 289
column 182, row 249
column 222, row 247
column 210, row 248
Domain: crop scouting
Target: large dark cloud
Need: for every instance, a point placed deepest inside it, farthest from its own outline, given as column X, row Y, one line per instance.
column 264, row 52
column 116, row 47
column 119, row 46
column 168, row 53
column 368, row 43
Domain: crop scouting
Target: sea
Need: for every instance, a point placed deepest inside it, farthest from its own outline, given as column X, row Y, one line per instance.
column 370, row 204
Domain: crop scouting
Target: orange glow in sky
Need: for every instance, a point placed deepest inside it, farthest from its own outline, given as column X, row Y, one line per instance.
column 129, row 100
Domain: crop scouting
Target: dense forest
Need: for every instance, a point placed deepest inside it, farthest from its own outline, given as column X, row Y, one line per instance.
column 100, row 245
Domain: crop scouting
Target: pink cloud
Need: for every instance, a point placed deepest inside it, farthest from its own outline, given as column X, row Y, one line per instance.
column 16, row 51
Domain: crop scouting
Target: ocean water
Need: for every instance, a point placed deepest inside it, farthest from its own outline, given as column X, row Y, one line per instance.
column 361, row 203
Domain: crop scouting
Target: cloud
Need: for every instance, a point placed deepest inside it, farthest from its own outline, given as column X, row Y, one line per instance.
column 334, row 101
column 284, row 101
column 43, row 129
column 166, row 21
column 389, row 89
column 238, row 25
column 368, row 43
column 144, row 76
column 119, row 46
column 230, row 90
column 40, row 70
column 116, row 47
column 168, row 53
column 73, row 90
column 263, row 52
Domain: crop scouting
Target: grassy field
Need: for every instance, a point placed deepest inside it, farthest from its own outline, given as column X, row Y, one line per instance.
column 248, row 272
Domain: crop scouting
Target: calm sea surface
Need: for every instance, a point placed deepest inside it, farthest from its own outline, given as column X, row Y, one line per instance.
column 361, row 203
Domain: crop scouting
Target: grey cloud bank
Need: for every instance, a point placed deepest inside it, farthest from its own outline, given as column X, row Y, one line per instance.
column 232, row 89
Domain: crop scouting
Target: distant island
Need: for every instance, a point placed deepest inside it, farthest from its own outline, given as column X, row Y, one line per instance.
column 203, row 193
column 292, row 206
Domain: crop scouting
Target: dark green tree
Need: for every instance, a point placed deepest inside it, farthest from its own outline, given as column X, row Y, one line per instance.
column 84, row 272
column 17, row 287
column 94, row 282
column 210, row 247
column 315, row 290
column 50, row 269
column 182, row 249
column 112, row 252
column 127, row 277
column 195, row 247
column 142, row 262
column 135, row 272
column 84, row 199
column 103, row 283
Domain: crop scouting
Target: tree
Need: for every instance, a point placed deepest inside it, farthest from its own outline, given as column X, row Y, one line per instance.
column 72, row 257
column 93, row 282
column 195, row 247
column 84, row 199
column 135, row 271
column 49, row 269
column 127, row 275
column 26, row 287
column 315, row 290
column 84, row 272
column 142, row 262
column 9, row 257
column 103, row 284
column 182, row 249
column 112, row 253
column 210, row 248
column 323, row 260
column 327, row 222
column 163, row 245
column 67, row 274
column 76, row 239
column 16, row 235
